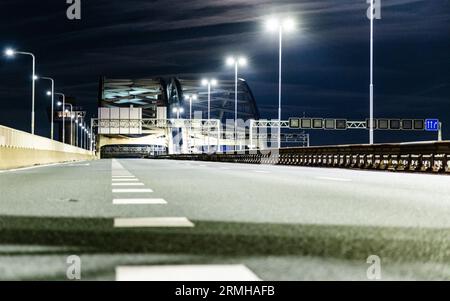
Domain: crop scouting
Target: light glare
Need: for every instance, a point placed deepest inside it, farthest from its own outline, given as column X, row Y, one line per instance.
column 272, row 24
column 289, row 24
column 231, row 61
column 9, row 52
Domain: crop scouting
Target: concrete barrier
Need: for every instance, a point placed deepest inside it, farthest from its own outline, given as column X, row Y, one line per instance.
column 21, row 149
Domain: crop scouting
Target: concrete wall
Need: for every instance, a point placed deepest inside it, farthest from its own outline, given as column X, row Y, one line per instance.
column 21, row 149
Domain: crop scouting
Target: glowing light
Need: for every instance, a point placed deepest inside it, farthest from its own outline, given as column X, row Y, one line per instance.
column 9, row 52
column 231, row 61
column 242, row 61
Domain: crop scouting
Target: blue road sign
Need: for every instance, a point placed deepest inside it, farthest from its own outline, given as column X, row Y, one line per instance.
column 432, row 125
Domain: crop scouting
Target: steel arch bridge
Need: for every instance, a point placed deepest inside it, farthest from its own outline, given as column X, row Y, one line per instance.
column 151, row 93
column 157, row 97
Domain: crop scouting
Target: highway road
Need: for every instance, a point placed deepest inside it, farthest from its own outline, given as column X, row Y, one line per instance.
column 159, row 219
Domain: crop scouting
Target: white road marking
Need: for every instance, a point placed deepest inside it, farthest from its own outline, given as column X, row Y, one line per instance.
column 76, row 165
column 125, row 190
column 237, row 272
column 125, row 179
column 36, row 166
column 202, row 165
column 138, row 201
column 334, row 179
column 261, row 171
column 127, row 184
column 145, row 222
column 120, row 177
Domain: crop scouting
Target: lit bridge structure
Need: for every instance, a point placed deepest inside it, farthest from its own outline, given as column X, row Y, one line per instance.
column 166, row 122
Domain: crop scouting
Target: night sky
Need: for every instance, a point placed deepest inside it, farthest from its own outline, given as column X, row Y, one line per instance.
column 326, row 60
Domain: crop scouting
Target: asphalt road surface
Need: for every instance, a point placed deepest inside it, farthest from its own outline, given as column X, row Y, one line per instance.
column 161, row 219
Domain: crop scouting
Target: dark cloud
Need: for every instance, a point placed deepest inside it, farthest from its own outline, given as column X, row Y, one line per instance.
column 326, row 59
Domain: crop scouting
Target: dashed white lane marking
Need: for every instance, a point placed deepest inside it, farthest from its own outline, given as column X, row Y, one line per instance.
column 129, row 190
column 261, row 171
column 123, row 177
column 148, row 222
column 138, row 201
column 125, row 180
column 236, row 272
column 334, row 179
column 202, row 165
column 225, row 168
column 127, row 184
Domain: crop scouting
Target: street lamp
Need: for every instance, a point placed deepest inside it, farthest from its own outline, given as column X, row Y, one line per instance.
column 190, row 98
column 371, row 74
column 178, row 111
column 209, row 83
column 282, row 26
column 241, row 61
column 10, row 53
column 71, row 118
column 63, row 103
column 52, row 94
column 81, row 132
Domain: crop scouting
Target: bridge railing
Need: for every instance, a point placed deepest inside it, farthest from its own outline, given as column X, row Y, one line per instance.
column 431, row 157
column 18, row 139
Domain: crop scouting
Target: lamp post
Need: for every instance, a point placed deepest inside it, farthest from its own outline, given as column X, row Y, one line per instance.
column 282, row 26
column 52, row 94
column 63, row 116
column 178, row 110
column 86, row 139
column 81, row 132
column 10, row 53
column 371, row 74
column 209, row 83
column 190, row 98
column 241, row 61
column 76, row 131
column 71, row 118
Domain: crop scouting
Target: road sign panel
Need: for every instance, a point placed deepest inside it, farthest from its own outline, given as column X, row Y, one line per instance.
column 407, row 124
column 330, row 124
column 317, row 123
column 419, row 124
column 374, row 122
column 294, row 123
column 395, row 124
column 306, row 123
column 432, row 125
column 383, row 124
column 341, row 124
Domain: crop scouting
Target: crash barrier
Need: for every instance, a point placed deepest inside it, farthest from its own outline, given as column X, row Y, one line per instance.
column 433, row 157
column 21, row 149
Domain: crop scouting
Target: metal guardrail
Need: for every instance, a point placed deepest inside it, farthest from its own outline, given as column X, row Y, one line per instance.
column 433, row 157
